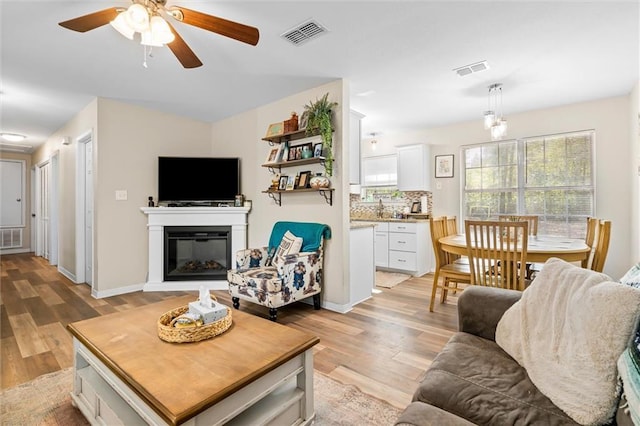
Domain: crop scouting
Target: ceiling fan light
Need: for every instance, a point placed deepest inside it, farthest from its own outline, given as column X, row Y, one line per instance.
column 122, row 25
column 138, row 17
column 12, row 137
column 160, row 30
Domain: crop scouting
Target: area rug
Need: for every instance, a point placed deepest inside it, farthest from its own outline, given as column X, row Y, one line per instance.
column 390, row 279
column 45, row 401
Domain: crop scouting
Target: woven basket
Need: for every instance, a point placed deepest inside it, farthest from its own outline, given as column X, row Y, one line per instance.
column 196, row 333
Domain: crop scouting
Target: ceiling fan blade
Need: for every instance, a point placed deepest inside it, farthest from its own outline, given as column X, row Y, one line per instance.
column 91, row 21
column 234, row 30
column 185, row 55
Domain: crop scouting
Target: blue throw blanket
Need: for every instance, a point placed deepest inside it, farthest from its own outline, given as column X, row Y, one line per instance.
column 311, row 234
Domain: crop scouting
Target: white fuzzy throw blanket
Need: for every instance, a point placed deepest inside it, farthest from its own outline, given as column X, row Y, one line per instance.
column 567, row 331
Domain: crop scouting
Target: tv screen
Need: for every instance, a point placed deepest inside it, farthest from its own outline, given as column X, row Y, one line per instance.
column 198, row 180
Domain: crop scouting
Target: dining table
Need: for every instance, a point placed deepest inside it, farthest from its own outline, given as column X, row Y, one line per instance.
column 540, row 248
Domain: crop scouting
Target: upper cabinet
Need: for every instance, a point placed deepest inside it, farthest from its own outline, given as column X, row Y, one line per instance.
column 414, row 169
column 380, row 171
column 355, row 130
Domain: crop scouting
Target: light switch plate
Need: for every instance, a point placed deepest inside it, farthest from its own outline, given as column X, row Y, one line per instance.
column 121, row 195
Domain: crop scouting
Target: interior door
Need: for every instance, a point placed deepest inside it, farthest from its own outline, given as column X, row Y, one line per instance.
column 42, row 212
column 11, row 191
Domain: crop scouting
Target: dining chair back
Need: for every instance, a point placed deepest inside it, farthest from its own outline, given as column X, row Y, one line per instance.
column 497, row 253
column 446, row 268
column 598, row 236
column 532, row 220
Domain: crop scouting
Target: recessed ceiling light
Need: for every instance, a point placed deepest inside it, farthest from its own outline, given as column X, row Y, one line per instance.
column 12, row 137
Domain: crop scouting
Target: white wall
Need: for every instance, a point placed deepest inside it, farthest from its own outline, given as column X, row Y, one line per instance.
column 241, row 136
column 634, row 167
column 129, row 141
column 610, row 118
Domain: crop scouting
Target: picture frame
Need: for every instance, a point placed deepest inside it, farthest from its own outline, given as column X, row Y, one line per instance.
column 317, row 150
column 272, row 157
column 415, row 207
column 444, row 166
column 303, row 181
column 291, row 181
column 275, row 129
column 283, row 183
column 292, row 153
column 306, row 148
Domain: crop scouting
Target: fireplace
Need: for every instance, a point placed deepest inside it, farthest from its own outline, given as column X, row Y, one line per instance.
column 196, row 252
column 230, row 219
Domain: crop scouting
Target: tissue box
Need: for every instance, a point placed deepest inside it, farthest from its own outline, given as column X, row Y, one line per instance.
column 215, row 313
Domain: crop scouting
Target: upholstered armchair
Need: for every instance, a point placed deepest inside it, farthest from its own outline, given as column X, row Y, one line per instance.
column 287, row 270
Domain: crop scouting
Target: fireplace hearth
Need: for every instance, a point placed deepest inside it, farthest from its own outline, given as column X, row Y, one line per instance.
column 196, row 252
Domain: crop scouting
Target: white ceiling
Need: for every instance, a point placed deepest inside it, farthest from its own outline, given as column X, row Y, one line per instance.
column 400, row 53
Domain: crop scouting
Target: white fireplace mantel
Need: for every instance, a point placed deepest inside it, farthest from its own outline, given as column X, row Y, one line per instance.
column 159, row 217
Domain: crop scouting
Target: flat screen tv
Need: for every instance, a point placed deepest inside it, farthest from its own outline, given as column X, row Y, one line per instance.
column 198, row 180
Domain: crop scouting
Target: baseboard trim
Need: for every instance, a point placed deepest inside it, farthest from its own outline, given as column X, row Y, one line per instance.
column 68, row 274
column 116, row 291
column 14, row 251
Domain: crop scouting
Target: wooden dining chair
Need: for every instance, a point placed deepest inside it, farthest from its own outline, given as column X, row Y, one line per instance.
column 598, row 236
column 450, row 272
column 497, row 253
column 532, row 220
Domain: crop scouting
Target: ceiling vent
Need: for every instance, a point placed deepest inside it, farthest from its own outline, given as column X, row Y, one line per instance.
column 14, row 147
column 304, row 32
column 472, row 68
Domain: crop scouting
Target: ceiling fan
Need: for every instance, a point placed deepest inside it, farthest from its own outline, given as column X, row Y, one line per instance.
column 149, row 18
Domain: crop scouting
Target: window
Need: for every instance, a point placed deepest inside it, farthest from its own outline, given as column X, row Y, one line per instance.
column 550, row 176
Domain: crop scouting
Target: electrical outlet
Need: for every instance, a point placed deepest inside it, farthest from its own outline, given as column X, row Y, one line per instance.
column 121, row 195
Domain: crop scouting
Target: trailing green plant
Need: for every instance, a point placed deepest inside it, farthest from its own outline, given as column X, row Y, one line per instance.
column 318, row 116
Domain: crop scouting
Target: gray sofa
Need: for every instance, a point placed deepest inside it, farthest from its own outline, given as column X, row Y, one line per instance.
column 473, row 381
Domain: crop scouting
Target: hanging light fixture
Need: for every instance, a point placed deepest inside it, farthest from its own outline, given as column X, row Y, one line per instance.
column 494, row 121
column 146, row 20
column 373, row 141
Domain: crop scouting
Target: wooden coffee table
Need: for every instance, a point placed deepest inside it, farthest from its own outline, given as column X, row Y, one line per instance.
column 257, row 372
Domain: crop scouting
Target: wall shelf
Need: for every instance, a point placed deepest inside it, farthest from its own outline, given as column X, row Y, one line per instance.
column 291, row 136
column 276, row 195
column 293, row 163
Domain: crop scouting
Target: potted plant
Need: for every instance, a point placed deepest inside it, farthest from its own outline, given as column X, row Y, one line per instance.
column 318, row 116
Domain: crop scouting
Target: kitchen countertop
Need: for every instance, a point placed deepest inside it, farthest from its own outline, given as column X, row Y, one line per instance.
column 361, row 224
column 388, row 219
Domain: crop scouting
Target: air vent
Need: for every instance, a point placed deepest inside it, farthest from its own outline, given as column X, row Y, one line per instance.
column 14, row 147
column 472, row 68
column 304, row 32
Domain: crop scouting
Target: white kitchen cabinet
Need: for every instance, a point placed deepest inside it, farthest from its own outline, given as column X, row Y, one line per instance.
column 414, row 171
column 408, row 247
column 380, row 171
column 355, row 133
column 382, row 244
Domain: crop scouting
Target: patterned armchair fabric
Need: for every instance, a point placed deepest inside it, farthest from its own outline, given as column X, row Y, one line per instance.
column 255, row 279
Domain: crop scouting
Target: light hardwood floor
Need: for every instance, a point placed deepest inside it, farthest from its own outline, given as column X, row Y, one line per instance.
column 382, row 346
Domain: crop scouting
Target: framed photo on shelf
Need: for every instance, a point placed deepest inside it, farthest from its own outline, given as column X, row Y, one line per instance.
column 275, row 129
column 303, row 181
column 444, row 166
column 291, row 180
column 273, row 155
column 283, row 183
column 292, row 153
column 415, row 207
column 317, row 150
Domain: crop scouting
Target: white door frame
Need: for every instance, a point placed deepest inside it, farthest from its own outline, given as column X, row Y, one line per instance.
column 32, row 213
column 81, row 142
column 53, row 208
column 40, row 237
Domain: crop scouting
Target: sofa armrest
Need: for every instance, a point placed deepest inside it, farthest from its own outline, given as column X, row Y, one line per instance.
column 480, row 309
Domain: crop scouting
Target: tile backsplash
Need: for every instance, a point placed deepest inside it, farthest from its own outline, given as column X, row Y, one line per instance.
column 363, row 210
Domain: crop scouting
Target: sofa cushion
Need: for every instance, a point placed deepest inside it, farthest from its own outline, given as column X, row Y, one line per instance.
column 476, row 380
column 581, row 321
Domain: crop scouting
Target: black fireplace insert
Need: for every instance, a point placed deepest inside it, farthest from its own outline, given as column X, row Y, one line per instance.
column 196, row 252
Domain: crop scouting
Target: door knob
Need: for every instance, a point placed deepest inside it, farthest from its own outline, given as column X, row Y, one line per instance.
column 19, row 199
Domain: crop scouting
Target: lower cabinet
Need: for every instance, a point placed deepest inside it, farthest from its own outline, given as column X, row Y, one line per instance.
column 404, row 246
